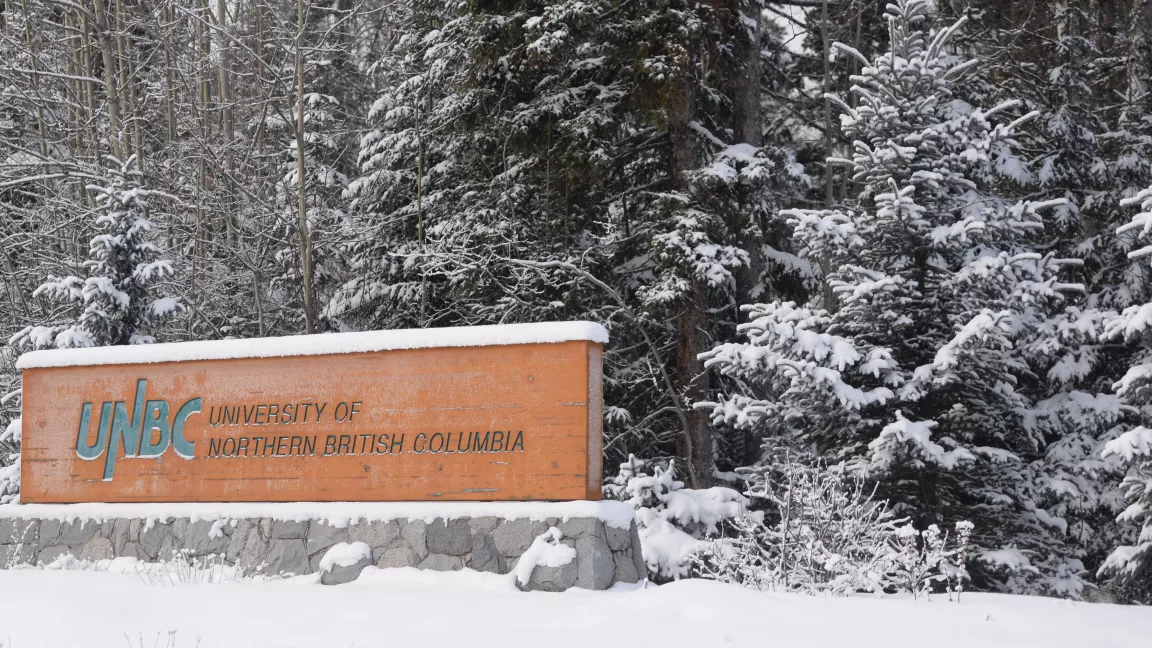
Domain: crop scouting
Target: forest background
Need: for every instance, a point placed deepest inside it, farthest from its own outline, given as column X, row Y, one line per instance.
column 843, row 233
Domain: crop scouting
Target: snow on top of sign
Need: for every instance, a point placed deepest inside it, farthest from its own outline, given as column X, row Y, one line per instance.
column 337, row 514
column 321, row 344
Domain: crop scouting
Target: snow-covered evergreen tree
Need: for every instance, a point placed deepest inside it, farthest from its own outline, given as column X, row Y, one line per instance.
column 565, row 160
column 911, row 375
column 1131, row 564
column 121, row 299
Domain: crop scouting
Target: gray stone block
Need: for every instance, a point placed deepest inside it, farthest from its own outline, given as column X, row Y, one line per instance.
column 552, row 579
column 378, row 535
column 265, row 525
column 74, row 534
column 180, row 528
column 582, row 527
column 484, row 524
column 322, row 537
column 152, row 538
column 198, row 539
column 398, row 557
column 134, row 527
column 237, row 539
column 97, row 549
column 637, row 552
column 15, row 531
column 105, row 529
column 618, row 539
column 595, row 567
column 415, row 535
column 255, row 551
column 513, row 537
column 339, row 575
column 284, row 530
column 169, row 549
column 625, row 568
column 451, row 537
column 485, row 556
column 440, row 562
column 287, row 556
column 49, row 554
column 17, row 554
column 132, row 550
column 119, row 535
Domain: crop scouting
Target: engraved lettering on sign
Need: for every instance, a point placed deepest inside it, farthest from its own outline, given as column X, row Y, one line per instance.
column 149, row 430
column 135, row 431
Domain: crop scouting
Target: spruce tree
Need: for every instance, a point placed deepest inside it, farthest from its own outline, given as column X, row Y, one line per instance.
column 1131, row 564
column 910, row 372
column 559, row 160
column 121, row 300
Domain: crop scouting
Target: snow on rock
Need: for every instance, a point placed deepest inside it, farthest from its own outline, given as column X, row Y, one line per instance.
column 546, row 551
column 345, row 554
column 339, row 514
column 323, row 344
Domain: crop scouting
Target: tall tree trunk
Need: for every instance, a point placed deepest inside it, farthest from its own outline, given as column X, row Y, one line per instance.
column 830, row 301
column 753, row 238
column 748, row 130
column 111, row 85
column 302, row 202
column 691, row 336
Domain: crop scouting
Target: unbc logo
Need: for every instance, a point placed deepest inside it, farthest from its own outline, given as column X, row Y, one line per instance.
column 136, row 431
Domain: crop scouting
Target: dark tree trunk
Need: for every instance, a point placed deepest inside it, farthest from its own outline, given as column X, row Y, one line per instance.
column 691, row 323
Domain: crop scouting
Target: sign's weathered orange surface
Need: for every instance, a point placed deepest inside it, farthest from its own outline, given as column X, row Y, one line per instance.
column 515, row 421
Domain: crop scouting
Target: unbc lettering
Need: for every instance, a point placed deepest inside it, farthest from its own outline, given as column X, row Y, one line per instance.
column 145, row 432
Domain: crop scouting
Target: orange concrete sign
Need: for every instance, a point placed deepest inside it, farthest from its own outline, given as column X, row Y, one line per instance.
column 480, row 413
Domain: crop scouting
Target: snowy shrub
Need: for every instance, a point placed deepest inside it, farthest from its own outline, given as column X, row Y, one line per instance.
column 673, row 521
column 10, row 465
column 183, row 568
column 821, row 530
column 10, row 457
column 927, row 562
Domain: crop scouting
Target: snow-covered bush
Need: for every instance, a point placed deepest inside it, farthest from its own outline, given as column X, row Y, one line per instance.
column 673, row 521
column 10, row 464
column 819, row 529
column 182, row 568
column 10, row 450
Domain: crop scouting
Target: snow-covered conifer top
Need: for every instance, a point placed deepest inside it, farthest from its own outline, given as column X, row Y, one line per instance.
column 322, row 344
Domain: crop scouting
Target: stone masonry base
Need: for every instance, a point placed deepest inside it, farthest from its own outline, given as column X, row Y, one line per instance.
column 605, row 554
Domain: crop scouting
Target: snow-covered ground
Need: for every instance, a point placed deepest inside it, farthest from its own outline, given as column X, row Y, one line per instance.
column 404, row 607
